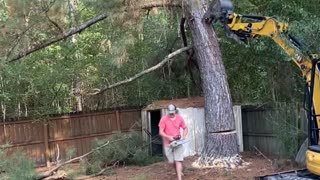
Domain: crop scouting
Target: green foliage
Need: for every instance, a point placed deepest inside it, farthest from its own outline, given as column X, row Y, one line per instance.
column 140, row 177
column 3, row 11
column 71, row 152
column 16, row 167
column 142, row 158
column 123, row 148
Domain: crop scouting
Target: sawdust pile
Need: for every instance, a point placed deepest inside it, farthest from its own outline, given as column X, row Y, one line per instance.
column 225, row 162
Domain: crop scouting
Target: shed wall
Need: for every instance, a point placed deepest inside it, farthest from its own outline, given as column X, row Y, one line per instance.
column 194, row 119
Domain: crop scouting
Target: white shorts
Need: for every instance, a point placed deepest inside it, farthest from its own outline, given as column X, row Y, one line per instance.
column 174, row 154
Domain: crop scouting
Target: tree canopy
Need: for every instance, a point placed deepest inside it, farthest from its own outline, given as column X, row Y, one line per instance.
column 131, row 38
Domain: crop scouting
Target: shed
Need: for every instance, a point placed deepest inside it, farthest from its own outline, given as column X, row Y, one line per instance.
column 192, row 111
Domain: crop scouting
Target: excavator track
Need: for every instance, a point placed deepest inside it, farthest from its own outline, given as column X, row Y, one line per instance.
column 301, row 174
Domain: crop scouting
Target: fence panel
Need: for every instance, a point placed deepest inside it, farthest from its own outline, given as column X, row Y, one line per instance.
column 130, row 120
column 67, row 136
column 262, row 130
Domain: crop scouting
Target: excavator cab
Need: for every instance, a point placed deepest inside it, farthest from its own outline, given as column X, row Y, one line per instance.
column 241, row 28
column 312, row 100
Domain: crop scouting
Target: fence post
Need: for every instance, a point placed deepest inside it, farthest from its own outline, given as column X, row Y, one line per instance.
column 238, row 122
column 46, row 143
column 118, row 120
column 6, row 140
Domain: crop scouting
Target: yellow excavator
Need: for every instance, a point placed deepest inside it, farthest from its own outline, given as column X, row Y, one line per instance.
column 244, row 27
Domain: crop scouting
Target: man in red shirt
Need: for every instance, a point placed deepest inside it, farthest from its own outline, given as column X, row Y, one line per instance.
column 169, row 128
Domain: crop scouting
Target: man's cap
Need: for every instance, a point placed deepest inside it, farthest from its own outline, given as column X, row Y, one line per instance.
column 171, row 109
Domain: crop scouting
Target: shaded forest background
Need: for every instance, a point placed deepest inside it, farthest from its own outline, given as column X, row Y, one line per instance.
column 54, row 80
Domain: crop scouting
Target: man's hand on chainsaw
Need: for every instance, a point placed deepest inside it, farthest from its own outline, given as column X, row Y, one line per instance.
column 178, row 137
column 171, row 138
column 174, row 138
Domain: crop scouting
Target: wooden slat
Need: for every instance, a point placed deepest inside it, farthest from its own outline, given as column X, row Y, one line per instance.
column 75, row 126
column 80, row 131
column 118, row 121
column 2, row 137
column 93, row 124
column 80, row 137
column 37, row 131
column 108, row 123
column 46, row 144
column 87, row 125
column 59, row 128
column 51, row 129
column 261, row 132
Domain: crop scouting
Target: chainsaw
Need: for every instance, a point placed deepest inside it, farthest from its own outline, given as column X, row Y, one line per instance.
column 178, row 141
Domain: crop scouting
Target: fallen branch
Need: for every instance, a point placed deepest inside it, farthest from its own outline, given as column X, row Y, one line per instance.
column 71, row 32
column 56, row 177
column 94, row 175
column 58, row 155
column 157, row 4
column 262, row 154
column 50, row 172
column 157, row 66
column 97, row 174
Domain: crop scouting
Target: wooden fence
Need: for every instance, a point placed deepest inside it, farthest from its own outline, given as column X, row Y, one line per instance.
column 42, row 141
column 267, row 129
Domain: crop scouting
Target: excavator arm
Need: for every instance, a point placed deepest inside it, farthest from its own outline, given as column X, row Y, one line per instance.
column 242, row 28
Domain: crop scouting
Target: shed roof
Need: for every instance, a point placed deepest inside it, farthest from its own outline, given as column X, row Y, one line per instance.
column 179, row 103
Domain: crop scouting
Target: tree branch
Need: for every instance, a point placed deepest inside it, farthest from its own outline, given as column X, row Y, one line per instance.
column 157, row 66
column 46, row 10
column 89, row 23
column 156, row 4
column 50, row 172
column 19, row 36
column 54, row 23
column 17, row 40
column 59, row 38
column 97, row 174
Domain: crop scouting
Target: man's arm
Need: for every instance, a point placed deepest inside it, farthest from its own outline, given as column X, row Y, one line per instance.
column 184, row 127
column 161, row 132
column 185, row 133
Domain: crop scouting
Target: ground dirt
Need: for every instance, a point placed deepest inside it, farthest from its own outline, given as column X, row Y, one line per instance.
column 163, row 171
column 258, row 166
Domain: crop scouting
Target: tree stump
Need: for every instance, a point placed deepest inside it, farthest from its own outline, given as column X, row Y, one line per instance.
column 222, row 144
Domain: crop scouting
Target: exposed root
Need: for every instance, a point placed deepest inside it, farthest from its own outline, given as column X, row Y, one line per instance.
column 224, row 162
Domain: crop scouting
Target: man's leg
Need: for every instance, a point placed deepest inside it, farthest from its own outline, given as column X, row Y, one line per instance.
column 178, row 159
column 170, row 156
column 179, row 169
column 174, row 167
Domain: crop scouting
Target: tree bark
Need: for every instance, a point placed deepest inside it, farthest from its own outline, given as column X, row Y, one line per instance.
column 76, row 90
column 220, row 125
column 224, row 143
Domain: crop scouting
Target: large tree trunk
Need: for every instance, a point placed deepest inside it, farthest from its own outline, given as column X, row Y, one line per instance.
column 221, row 138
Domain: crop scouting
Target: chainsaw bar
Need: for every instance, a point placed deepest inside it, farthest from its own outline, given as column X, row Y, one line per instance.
column 178, row 142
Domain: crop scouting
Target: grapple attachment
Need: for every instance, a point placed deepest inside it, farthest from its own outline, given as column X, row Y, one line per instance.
column 221, row 9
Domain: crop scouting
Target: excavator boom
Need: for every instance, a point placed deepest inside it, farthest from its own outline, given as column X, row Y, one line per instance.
column 242, row 28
